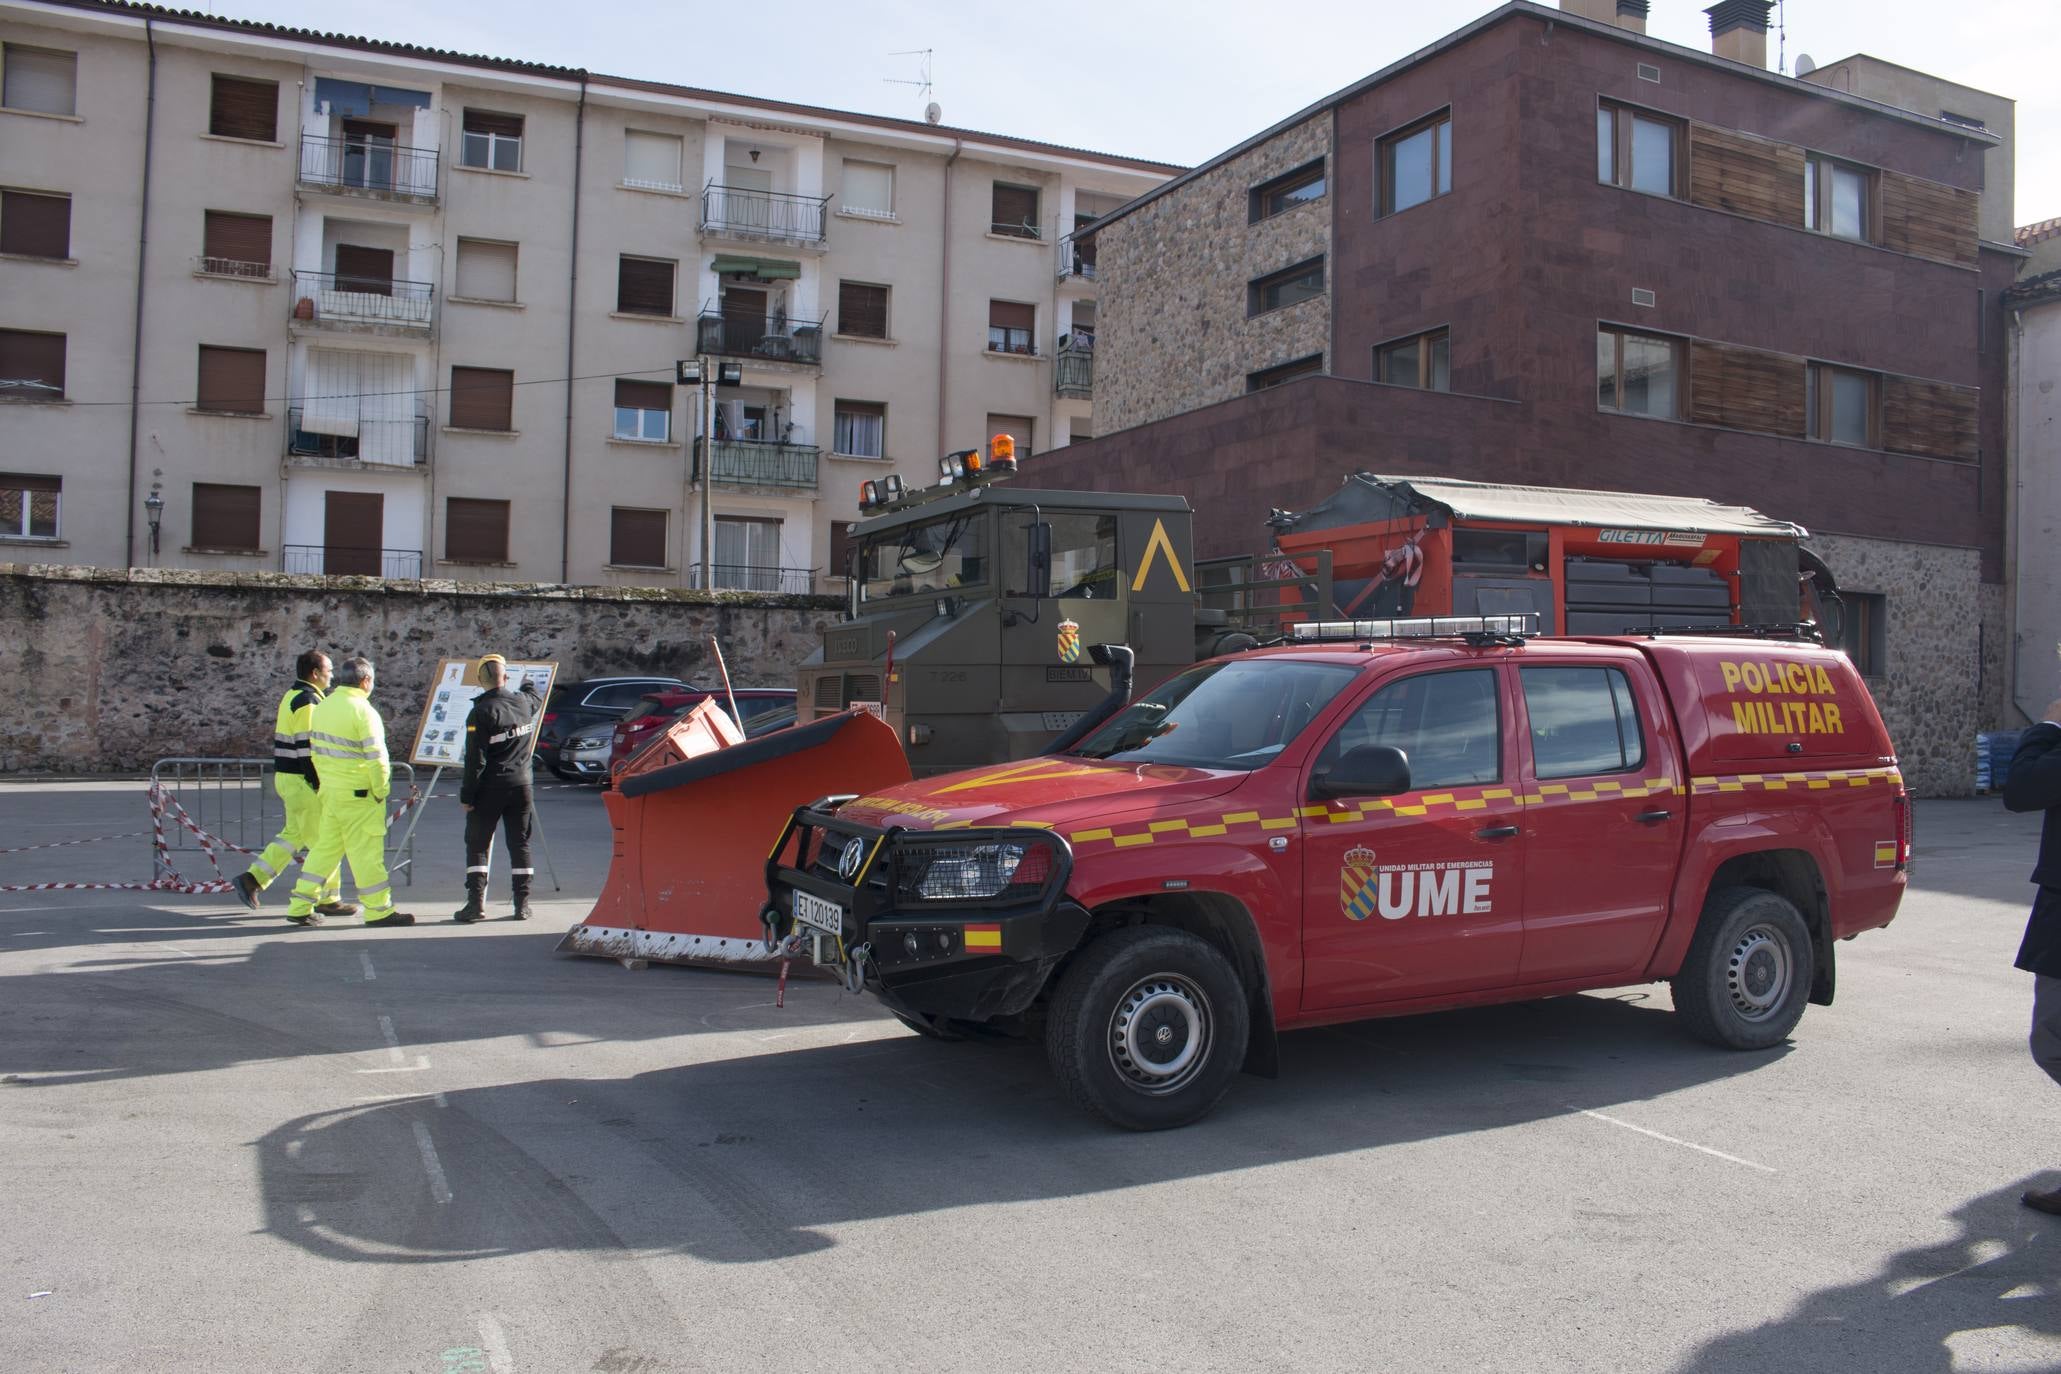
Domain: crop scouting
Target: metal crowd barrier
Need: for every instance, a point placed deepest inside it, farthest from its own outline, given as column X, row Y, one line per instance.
column 233, row 800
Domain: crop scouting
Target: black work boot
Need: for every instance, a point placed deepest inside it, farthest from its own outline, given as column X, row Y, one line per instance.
column 475, row 908
column 522, row 903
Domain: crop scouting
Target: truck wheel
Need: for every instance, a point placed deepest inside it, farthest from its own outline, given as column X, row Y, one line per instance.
column 1147, row 1027
column 1748, row 972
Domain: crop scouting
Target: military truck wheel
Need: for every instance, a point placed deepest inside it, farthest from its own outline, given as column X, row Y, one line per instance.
column 935, row 1027
column 1747, row 975
column 1147, row 1028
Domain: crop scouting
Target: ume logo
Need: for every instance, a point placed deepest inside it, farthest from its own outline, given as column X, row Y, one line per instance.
column 1463, row 888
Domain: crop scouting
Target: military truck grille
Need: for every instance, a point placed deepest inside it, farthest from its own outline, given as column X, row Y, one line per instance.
column 829, row 692
column 834, row 692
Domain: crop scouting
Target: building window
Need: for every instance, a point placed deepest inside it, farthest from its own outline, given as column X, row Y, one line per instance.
column 1423, row 361
column 1417, row 164
column 860, row 429
column 492, row 140
column 840, row 548
column 1844, row 406
column 233, row 245
column 1302, row 282
column 483, row 398
column 644, row 286
column 1864, row 631
column 40, row 80
column 747, row 554
column 861, row 310
column 226, row 517
column 232, row 380
column 1011, row 327
column 1021, row 428
column 475, row 531
column 1638, row 374
column 31, row 365
column 34, row 224
column 1838, row 198
column 486, row 270
column 643, row 410
column 1638, row 150
column 29, row 504
column 1015, row 211
column 869, row 189
column 637, row 538
column 244, row 109
column 651, row 161
column 1299, row 187
column 1285, row 372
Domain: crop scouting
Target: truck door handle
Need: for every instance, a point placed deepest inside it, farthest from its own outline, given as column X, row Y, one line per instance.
column 1650, row 816
column 1496, row 832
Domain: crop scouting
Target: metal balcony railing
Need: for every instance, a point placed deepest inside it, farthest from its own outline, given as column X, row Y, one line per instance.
column 768, row 216
column 369, row 166
column 397, row 443
column 767, row 338
column 1077, row 257
column 745, row 577
column 335, row 560
column 233, row 267
column 750, row 463
column 330, row 298
column 1073, row 372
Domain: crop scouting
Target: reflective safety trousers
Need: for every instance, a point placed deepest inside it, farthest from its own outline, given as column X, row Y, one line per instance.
column 297, row 836
column 352, row 828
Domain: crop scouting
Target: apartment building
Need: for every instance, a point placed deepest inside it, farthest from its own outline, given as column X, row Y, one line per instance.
column 272, row 299
column 1551, row 249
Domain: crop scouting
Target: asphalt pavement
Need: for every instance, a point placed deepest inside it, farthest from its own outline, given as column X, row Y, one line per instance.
column 230, row 1144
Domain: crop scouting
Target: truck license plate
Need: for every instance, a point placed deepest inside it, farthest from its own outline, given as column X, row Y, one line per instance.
column 814, row 912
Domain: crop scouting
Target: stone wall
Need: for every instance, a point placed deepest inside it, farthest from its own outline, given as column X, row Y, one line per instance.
column 1929, row 689
column 112, row 669
column 1172, row 329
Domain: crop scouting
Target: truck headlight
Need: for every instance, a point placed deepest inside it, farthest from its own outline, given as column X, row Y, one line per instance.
column 972, row 872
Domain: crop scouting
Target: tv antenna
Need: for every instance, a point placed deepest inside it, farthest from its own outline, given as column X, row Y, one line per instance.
column 931, row 110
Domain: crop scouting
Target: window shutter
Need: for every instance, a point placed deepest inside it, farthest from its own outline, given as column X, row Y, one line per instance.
column 232, row 379
column 40, row 79
column 368, row 271
column 28, row 358
column 1745, row 388
column 232, row 239
column 487, row 122
column 1011, row 315
column 225, row 517
column 1016, row 211
column 475, row 531
column 486, row 271
column 869, row 187
column 1746, row 175
column 643, row 395
column 644, row 286
column 651, row 159
column 35, row 226
column 862, row 310
column 637, row 538
column 22, row 481
column 244, row 109
column 1928, row 219
column 482, row 398
column 1936, row 419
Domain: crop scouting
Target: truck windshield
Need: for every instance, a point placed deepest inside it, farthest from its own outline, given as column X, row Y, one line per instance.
column 939, row 555
column 1236, row 714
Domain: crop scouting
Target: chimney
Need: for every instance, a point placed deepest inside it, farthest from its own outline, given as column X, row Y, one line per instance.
column 1631, row 14
column 1739, row 30
column 1626, row 14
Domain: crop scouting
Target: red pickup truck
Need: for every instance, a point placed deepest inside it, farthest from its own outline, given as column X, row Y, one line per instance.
column 1331, row 831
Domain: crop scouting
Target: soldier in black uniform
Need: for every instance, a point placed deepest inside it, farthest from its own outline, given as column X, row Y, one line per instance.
column 499, row 735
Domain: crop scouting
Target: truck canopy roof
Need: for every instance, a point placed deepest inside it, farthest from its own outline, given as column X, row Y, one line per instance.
column 1008, row 494
column 1369, row 496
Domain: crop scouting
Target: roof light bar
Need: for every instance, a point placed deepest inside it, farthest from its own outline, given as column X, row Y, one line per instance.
column 1415, row 627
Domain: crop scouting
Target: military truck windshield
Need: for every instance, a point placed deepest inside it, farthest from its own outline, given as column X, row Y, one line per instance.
column 940, row 555
column 1083, row 554
column 1236, row 714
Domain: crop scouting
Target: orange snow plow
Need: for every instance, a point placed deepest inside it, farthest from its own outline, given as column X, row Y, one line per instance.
column 693, row 815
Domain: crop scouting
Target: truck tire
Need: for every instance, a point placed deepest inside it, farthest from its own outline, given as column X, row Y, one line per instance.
column 1147, row 1028
column 1748, row 972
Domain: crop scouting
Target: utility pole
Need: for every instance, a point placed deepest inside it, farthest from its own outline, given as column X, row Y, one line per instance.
column 705, row 374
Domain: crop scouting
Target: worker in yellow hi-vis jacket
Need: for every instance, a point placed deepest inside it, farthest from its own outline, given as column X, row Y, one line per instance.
column 295, row 784
column 347, row 740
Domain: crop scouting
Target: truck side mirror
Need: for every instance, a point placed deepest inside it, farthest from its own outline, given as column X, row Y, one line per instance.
column 1372, row 770
column 1038, row 575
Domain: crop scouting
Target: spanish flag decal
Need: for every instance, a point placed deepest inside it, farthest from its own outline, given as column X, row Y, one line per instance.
column 984, row 937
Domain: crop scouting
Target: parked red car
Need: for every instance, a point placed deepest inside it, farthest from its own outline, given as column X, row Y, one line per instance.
column 657, row 710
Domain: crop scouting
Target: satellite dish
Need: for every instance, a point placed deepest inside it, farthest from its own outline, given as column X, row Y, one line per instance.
column 1805, row 65
column 933, row 112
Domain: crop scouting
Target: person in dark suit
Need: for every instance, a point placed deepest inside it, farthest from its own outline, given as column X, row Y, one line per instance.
column 2034, row 784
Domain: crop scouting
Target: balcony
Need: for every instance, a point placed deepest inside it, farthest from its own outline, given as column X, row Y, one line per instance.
column 363, row 305
column 333, row 560
column 742, row 577
column 398, row 442
column 368, row 167
column 762, row 338
column 1073, row 373
column 1077, row 258
column 232, row 267
column 734, row 212
column 750, row 463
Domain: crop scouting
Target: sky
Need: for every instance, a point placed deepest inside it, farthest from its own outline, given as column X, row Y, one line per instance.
column 1175, row 82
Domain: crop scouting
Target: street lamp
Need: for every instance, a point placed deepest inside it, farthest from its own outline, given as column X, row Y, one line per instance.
column 154, row 511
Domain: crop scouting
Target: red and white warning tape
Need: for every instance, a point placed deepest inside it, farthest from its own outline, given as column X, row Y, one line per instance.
column 67, row 844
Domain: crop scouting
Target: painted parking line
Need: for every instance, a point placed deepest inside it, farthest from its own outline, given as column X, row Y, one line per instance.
column 1672, row 1140
column 494, row 1341
column 393, row 1042
column 365, row 959
column 439, row 1187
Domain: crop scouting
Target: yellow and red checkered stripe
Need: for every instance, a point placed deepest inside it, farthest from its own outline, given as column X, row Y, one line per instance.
column 1783, row 782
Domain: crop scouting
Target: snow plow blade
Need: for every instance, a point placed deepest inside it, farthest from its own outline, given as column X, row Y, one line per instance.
column 693, row 817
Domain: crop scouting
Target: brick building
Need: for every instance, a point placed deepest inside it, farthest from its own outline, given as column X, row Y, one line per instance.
column 1551, row 249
